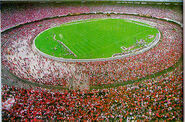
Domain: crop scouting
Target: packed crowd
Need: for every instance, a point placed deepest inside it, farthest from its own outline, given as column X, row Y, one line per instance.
column 21, row 14
column 154, row 11
column 20, row 59
column 28, row 13
column 157, row 98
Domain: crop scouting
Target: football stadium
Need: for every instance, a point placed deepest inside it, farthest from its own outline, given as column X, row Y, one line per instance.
column 92, row 60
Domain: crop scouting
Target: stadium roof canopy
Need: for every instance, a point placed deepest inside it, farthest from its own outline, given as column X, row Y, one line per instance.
column 96, row 0
column 154, row 0
column 138, row 0
column 164, row 2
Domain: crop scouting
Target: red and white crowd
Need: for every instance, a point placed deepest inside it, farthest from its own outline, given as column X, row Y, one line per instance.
column 159, row 98
column 33, row 12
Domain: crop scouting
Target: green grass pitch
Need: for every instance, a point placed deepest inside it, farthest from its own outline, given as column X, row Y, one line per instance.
column 94, row 38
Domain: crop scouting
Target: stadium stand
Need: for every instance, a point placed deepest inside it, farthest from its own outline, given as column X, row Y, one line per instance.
column 146, row 86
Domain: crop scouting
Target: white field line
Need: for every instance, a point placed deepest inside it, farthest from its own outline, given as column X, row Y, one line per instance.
column 141, row 24
column 66, row 47
column 54, row 37
column 82, row 21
